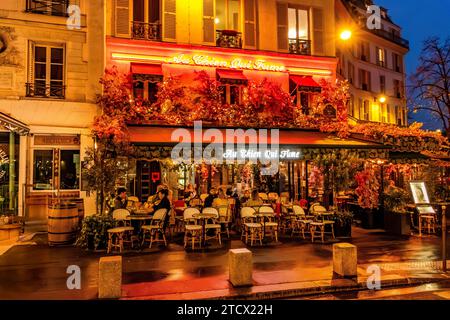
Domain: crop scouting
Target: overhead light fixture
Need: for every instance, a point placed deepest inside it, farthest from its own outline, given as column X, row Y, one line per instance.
column 345, row 35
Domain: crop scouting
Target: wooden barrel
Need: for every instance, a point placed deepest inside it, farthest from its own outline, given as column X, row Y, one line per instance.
column 80, row 205
column 62, row 223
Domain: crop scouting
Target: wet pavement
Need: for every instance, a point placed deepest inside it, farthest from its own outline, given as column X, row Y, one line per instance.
column 430, row 291
column 39, row 271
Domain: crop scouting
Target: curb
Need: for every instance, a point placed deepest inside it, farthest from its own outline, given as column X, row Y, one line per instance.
column 316, row 290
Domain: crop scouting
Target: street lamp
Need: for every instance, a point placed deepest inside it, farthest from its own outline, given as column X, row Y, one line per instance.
column 345, row 35
column 382, row 99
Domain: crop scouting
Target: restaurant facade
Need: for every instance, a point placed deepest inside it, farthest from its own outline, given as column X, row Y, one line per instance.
column 293, row 49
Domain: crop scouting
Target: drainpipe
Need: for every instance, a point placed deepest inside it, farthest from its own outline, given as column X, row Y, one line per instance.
column 12, row 171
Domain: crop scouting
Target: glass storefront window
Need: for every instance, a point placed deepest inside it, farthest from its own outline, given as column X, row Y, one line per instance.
column 70, row 169
column 9, row 188
column 42, row 169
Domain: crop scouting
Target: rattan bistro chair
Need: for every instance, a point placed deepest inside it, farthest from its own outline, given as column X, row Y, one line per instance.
column 192, row 231
column 155, row 228
column 250, row 229
column 225, row 217
column 122, row 233
column 316, row 210
column 271, row 227
column 213, row 224
column 299, row 221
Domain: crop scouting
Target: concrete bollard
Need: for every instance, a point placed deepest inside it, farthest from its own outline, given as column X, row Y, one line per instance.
column 110, row 277
column 345, row 259
column 240, row 264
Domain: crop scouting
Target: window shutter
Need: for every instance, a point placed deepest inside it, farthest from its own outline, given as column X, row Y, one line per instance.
column 123, row 18
column 30, row 62
column 282, row 26
column 170, row 20
column 250, row 24
column 208, row 22
column 318, row 24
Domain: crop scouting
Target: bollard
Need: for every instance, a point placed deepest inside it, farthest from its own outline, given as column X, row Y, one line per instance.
column 110, row 277
column 240, row 263
column 345, row 259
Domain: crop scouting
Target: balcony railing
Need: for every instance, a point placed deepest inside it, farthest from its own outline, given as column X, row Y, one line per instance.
column 391, row 37
column 228, row 39
column 300, row 46
column 48, row 7
column 146, row 31
column 42, row 90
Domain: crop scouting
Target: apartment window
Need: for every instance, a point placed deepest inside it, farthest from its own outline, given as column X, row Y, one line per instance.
column 231, row 94
column 364, row 80
column 47, row 75
column 381, row 57
column 298, row 31
column 228, row 15
column 366, row 110
column 364, row 51
column 383, row 113
column 388, row 113
column 351, row 73
column 49, row 7
column 146, row 20
column 351, row 105
column 382, row 84
column 301, row 99
column 360, row 108
column 397, row 63
column 397, row 89
column 398, row 116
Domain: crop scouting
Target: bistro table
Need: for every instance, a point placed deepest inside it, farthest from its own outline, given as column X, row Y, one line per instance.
column 203, row 217
column 141, row 220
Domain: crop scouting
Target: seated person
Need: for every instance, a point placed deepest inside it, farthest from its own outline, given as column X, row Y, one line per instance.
column 189, row 193
column 246, row 196
column 210, row 198
column 121, row 200
column 221, row 200
column 164, row 203
column 255, row 200
column 154, row 199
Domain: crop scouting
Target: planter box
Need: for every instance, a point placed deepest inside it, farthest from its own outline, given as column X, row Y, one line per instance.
column 343, row 231
column 397, row 224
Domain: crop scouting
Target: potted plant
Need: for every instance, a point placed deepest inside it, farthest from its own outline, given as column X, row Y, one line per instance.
column 343, row 224
column 396, row 218
column 368, row 196
column 94, row 232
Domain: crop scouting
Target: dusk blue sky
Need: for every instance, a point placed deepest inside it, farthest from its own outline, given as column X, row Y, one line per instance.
column 419, row 20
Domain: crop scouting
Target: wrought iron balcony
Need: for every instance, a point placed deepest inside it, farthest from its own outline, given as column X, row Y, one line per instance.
column 146, row 31
column 300, row 46
column 48, row 7
column 228, row 39
column 391, row 37
column 42, row 90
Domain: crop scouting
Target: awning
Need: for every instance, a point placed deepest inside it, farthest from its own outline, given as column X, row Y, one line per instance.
column 231, row 76
column 160, row 135
column 305, row 83
column 147, row 72
column 13, row 125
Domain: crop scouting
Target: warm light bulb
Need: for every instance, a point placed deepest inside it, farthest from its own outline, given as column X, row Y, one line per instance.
column 382, row 99
column 216, row 20
column 346, row 35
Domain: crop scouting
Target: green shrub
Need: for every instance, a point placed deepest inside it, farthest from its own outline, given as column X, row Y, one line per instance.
column 94, row 232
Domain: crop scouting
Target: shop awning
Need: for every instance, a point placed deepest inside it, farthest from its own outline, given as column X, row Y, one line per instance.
column 159, row 135
column 144, row 71
column 231, row 76
column 305, row 83
column 13, row 125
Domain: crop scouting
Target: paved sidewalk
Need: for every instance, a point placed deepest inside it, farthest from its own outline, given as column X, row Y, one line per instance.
column 272, row 285
column 39, row 271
